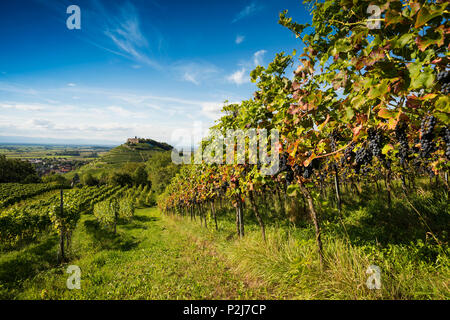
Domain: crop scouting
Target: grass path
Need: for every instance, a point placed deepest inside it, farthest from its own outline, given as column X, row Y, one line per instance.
column 161, row 257
column 147, row 259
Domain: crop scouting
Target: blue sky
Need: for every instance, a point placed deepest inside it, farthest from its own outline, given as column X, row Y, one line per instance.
column 136, row 68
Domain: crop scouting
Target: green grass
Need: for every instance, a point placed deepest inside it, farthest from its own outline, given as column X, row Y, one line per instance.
column 171, row 257
column 287, row 264
column 147, row 259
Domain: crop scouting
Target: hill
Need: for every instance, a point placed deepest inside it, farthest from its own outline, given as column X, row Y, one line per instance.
column 129, row 152
column 139, row 152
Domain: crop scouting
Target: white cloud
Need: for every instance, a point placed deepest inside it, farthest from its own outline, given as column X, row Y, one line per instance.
column 22, row 106
column 242, row 76
column 103, row 114
column 239, row 77
column 41, row 123
column 211, row 109
column 239, row 39
column 247, row 11
column 124, row 113
column 258, row 56
column 71, row 84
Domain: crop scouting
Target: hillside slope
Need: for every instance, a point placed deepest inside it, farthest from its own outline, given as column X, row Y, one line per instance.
column 120, row 155
column 126, row 153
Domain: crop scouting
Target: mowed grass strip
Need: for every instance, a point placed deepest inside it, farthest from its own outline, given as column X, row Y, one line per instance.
column 147, row 259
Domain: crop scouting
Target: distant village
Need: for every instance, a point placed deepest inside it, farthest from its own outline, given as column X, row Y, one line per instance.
column 48, row 166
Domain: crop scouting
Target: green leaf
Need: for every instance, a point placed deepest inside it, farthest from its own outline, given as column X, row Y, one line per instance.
column 387, row 148
column 424, row 79
column 443, row 104
column 403, row 41
column 378, row 90
column 350, row 113
column 342, row 45
column 427, row 13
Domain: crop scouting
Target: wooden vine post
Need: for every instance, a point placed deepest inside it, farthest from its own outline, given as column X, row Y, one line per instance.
column 61, row 229
column 315, row 219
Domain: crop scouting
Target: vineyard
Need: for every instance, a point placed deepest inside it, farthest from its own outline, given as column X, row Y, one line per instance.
column 358, row 182
column 11, row 193
column 363, row 120
column 60, row 212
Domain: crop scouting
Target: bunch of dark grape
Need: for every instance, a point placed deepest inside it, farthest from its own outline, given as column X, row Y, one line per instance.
column 365, row 171
column 375, row 138
column 348, row 154
column 400, row 135
column 387, row 163
column 363, row 156
column 298, row 169
column 316, row 164
column 224, row 186
column 427, row 146
column 289, row 176
column 308, row 171
column 443, row 78
column 445, row 134
column 283, row 162
column 335, row 136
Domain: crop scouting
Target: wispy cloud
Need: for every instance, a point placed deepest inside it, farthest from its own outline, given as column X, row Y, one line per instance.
column 124, row 113
column 194, row 72
column 247, row 11
column 113, row 28
column 239, row 39
column 258, row 56
column 14, row 88
column 242, row 76
column 125, row 32
column 42, row 123
column 212, row 109
column 239, row 77
column 22, row 106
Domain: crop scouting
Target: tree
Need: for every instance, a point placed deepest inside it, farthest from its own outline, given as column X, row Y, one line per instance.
column 15, row 170
column 140, row 176
column 161, row 170
column 121, row 178
column 89, row 180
